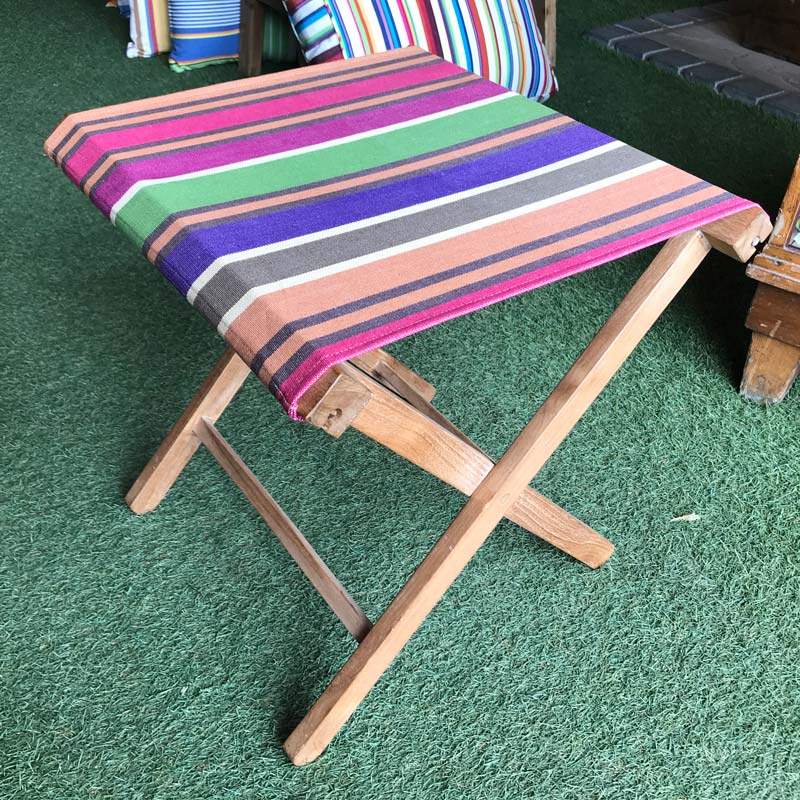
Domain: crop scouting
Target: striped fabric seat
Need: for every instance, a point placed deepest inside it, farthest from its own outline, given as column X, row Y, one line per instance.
column 497, row 39
column 316, row 215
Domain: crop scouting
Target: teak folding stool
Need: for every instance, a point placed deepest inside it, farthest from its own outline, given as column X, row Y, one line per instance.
column 307, row 280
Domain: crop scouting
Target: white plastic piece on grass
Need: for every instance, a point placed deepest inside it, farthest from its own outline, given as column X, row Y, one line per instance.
column 686, row 518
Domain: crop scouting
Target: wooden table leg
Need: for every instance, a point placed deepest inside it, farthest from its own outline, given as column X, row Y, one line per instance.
column 251, row 37
column 497, row 492
column 278, row 521
column 427, row 439
column 770, row 369
column 774, row 357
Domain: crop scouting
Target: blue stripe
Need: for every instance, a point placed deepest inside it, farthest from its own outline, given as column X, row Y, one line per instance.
column 464, row 38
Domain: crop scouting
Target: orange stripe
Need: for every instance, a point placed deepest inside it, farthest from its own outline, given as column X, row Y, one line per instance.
column 491, row 271
column 256, row 324
column 158, row 112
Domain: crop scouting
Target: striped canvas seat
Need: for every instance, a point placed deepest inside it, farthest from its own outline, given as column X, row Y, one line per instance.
column 316, row 215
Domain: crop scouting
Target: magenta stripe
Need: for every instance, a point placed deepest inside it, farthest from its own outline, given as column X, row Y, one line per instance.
column 313, row 368
column 117, row 182
column 206, row 121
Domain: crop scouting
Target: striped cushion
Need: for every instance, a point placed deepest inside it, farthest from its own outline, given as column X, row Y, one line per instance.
column 497, row 39
column 314, row 29
column 149, row 23
column 207, row 31
column 203, row 32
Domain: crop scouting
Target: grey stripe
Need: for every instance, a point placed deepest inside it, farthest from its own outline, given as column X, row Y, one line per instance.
column 296, row 326
column 232, row 282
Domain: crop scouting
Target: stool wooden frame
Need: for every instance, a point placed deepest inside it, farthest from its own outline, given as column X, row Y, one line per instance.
column 389, row 403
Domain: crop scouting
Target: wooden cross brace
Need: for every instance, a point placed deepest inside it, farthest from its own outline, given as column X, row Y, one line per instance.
column 386, row 401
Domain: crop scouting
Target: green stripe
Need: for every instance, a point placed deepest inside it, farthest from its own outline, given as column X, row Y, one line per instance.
column 149, row 207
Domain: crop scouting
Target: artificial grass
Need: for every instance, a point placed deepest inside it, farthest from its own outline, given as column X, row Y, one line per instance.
column 168, row 656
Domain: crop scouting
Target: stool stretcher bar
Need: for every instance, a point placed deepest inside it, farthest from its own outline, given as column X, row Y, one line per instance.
column 388, row 402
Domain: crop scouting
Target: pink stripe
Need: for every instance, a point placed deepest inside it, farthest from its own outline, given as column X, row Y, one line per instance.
column 121, row 178
column 204, row 122
column 322, row 359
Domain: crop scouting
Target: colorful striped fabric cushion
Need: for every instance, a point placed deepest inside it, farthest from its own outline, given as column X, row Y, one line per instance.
column 498, row 39
column 315, row 215
column 207, row 32
column 203, row 32
column 314, row 30
column 149, row 21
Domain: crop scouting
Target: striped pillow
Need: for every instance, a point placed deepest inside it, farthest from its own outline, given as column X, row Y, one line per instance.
column 203, row 32
column 313, row 27
column 149, row 23
column 498, row 39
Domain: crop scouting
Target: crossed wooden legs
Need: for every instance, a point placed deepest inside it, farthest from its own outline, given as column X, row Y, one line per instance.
column 389, row 403
column 497, row 492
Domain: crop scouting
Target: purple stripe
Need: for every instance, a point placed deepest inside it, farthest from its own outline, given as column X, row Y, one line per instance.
column 196, row 252
column 168, row 165
column 373, row 176
column 301, row 88
column 297, row 86
column 128, row 145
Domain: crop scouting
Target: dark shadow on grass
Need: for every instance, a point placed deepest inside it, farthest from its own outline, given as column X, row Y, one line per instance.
column 715, row 302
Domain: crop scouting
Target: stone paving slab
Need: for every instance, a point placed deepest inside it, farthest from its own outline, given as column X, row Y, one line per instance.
column 652, row 39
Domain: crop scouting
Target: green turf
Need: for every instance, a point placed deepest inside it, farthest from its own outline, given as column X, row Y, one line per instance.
column 168, row 656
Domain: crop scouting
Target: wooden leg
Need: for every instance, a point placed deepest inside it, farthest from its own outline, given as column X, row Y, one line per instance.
column 770, row 370
column 774, row 357
column 251, row 37
column 430, row 441
column 314, row 568
column 212, row 398
column 497, row 492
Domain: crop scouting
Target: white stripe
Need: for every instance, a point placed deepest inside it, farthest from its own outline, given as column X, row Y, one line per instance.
column 136, row 187
column 231, row 258
column 260, row 291
column 304, row 12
